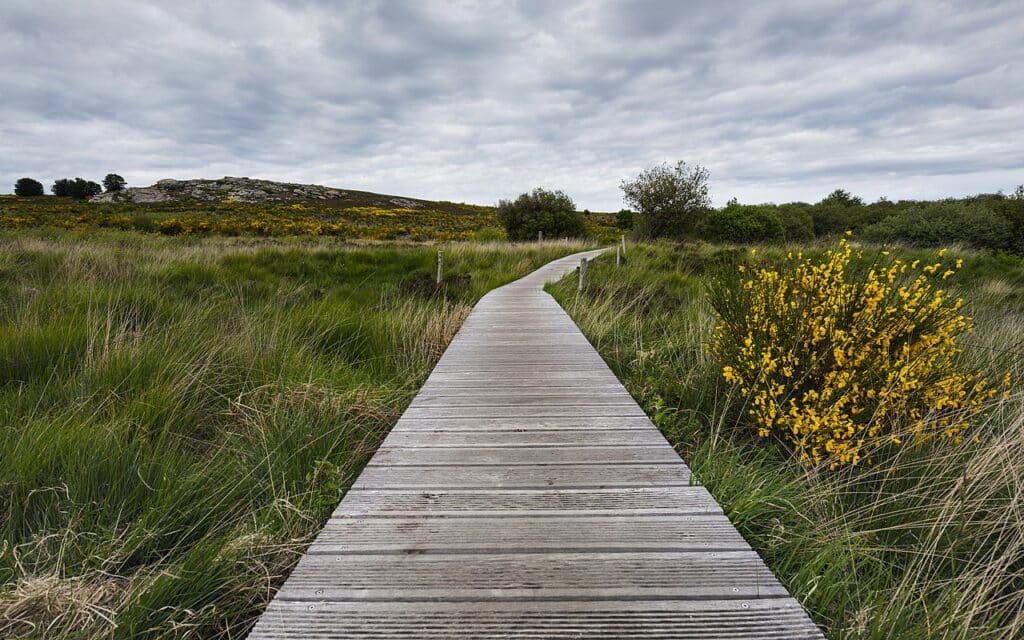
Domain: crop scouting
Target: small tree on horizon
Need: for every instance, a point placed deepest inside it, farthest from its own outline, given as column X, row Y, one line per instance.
column 78, row 188
column 550, row 212
column 624, row 219
column 669, row 200
column 113, row 182
column 842, row 198
column 28, row 188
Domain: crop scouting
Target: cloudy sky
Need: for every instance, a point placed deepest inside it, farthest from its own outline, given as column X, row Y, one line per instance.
column 476, row 101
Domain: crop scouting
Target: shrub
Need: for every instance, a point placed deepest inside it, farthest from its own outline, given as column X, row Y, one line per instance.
column 550, row 212
column 79, row 188
column 842, row 362
column 27, row 188
column 744, row 223
column 835, row 214
column 797, row 219
column 669, row 201
column 624, row 219
column 938, row 223
column 114, row 182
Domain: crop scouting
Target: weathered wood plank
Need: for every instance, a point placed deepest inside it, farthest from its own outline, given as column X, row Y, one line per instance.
column 523, row 477
column 551, row 575
column 455, row 502
column 519, row 399
column 522, row 437
column 406, row 423
column 553, row 411
column 515, row 456
column 767, row 619
column 530, row 533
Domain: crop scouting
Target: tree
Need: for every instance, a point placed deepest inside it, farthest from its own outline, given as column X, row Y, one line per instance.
column 79, row 188
column 113, row 182
column 27, row 187
column 841, row 211
column 669, row 200
column 551, row 212
column 624, row 219
column 842, row 198
column 1018, row 193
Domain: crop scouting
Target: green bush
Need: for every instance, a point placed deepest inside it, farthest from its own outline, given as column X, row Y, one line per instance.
column 744, row 223
column 550, row 212
column 797, row 219
column 27, row 188
column 939, row 223
column 78, row 188
column 840, row 211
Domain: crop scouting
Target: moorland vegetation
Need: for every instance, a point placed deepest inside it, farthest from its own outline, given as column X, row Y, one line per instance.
column 179, row 416
column 851, row 407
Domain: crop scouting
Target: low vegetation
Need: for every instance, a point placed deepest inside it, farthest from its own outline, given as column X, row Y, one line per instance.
column 439, row 222
column 985, row 221
column 179, row 416
column 187, row 387
column 540, row 214
column 923, row 540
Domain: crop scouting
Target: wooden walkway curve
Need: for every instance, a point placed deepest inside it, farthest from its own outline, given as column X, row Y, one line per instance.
column 524, row 494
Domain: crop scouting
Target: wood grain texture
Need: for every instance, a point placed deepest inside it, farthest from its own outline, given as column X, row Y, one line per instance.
column 524, row 494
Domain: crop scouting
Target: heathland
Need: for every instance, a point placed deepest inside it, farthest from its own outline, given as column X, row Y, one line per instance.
column 247, row 207
column 188, row 387
column 179, row 416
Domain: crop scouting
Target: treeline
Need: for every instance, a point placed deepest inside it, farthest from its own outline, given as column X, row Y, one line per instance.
column 673, row 201
column 987, row 221
column 77, row 188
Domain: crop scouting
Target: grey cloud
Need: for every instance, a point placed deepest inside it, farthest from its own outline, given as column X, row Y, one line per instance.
column 479, row 100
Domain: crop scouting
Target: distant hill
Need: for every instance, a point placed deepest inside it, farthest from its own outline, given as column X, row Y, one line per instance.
column 252, row 190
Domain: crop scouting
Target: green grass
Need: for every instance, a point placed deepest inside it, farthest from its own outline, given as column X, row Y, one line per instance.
column 927, row 544
column 178, row 417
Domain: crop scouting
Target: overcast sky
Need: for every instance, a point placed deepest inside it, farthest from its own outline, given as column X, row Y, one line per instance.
column 476, row 101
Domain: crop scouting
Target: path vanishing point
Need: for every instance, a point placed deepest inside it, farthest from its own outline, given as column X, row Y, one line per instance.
column 524, row 494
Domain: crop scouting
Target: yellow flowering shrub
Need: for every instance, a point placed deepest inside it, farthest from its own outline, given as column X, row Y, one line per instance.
column 840, row 358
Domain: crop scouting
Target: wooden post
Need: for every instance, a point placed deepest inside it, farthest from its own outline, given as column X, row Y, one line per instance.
column 623, row 244
column 440, row 266
column 618, row 256
column 540, row 236
column 583, row 272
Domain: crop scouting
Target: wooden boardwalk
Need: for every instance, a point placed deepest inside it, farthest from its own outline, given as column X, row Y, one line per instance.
column 524, row 494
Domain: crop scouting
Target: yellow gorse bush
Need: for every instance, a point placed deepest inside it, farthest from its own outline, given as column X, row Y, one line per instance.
column 840, row 359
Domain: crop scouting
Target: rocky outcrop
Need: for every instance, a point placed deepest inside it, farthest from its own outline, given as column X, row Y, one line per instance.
column 239, row 190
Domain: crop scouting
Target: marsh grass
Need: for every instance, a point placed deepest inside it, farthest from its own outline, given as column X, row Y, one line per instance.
column 178, row 417
column 926, row 543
